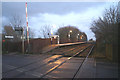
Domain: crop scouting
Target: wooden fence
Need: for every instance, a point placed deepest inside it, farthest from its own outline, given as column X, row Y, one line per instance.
column 36, row 45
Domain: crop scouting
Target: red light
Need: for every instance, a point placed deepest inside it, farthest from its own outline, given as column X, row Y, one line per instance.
column 3, row 40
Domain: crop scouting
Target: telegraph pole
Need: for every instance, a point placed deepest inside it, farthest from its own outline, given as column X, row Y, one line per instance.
column 23, row 40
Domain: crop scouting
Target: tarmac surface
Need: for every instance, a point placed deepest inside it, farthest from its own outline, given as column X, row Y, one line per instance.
column 55, row 66
column 35, row 66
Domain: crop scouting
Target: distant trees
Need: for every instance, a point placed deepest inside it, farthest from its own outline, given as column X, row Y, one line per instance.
column 70, row 34
column 45, row 31
column 106, row 27
column 84, row 37
column 17, row 21
column 31, row 33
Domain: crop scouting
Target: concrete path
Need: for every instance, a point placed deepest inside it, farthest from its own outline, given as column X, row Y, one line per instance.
column 106, row 69
column 53, row 46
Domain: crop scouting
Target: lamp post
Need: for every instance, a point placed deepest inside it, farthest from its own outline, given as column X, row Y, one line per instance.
column 69, row 34
column 78, row 36
column 53, row 26
column 51, row 35
column 58, row 39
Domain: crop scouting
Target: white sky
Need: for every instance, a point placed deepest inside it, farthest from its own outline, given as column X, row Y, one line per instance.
column 79, row 14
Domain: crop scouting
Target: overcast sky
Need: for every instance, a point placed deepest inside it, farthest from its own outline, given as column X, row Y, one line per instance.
column 79, row 14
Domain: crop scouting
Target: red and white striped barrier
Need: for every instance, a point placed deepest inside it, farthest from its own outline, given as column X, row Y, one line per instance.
column 27, row 24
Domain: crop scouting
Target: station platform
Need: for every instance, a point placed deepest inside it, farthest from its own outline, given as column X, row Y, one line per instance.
column 53, row 46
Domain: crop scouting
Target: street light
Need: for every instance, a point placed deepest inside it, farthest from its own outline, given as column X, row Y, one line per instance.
column 51, row 35
column 69, row 34
column 53, row 26
column 78, row 37
column 70, row 31
column 58, row 39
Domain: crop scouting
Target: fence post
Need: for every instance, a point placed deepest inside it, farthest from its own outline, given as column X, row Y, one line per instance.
column 109, row 51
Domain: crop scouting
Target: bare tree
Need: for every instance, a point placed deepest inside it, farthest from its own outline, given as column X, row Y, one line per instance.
column 105, row 28
column 31, row 33
column 17, row 21
column 45, row 31
column 106, row 31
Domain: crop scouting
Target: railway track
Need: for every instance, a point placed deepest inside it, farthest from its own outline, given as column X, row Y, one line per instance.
column 70, row 48
column 53, row 61
column 75, row 55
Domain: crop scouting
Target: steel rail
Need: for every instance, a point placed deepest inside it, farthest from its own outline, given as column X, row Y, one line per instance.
column 82, row 63
column 53, row 60
column 55, row 67
column 39, row 60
